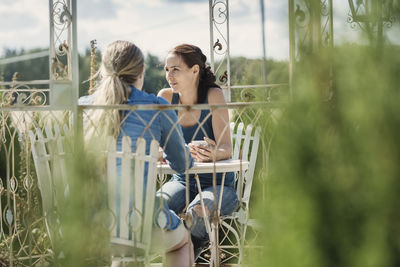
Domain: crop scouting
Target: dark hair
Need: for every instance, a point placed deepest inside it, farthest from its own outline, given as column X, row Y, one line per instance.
column 193, row 55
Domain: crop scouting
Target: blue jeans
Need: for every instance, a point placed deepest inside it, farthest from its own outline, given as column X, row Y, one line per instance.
column 173, row 193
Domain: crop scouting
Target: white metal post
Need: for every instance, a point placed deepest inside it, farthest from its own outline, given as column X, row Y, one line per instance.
column 75, row 70
column 219, row 26
column 211, row 12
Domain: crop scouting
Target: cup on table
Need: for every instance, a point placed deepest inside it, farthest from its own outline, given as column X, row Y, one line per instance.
column 199, row 143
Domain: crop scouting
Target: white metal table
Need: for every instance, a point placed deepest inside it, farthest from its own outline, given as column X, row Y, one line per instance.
column 228, row 165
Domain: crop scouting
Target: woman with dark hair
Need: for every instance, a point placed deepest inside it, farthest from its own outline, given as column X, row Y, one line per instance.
column 192, row 82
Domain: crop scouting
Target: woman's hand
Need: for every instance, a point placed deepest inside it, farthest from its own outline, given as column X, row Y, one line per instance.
column 161, row 155
column 204, row 152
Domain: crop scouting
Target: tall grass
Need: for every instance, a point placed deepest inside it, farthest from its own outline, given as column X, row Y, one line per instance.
column 332, row 193
column 83, row 215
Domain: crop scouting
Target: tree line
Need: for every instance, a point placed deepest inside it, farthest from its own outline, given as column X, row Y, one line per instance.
column 244, row 71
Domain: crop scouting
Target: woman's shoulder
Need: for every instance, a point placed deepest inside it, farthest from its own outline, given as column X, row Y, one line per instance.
column 166, row 93
column 141, row 97
column 86, row 100
column 216, row 96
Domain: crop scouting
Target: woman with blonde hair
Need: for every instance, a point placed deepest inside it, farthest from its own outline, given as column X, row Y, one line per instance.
column 121, row 80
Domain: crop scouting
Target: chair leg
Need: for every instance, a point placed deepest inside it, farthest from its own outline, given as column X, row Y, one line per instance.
column 215, row 260
column 240, row 242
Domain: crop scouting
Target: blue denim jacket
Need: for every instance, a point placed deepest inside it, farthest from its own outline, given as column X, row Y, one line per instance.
column 161, row 125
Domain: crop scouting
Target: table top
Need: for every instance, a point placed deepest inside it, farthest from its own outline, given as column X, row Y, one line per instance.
column 228, row 165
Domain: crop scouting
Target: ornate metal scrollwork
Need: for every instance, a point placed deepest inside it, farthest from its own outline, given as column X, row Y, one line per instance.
column 22, row 95
column 219, row 18
column 224, row 77
column 59, row 70
column 324, row 8
column 300, row 16
column 28, row 182
column 312, row 20
column 247, row 94
column 221, row 7
column 62, row 48
column 220, row 48
column 326, row 22
column 217, row 45
column 277, row 92
column 351, row 21
column 61, row 20
column 13, row 184
column 368, row 14
column 65, row 16
column 326, row 38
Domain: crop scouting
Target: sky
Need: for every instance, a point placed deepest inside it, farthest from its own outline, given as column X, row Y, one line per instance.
column 156, row 26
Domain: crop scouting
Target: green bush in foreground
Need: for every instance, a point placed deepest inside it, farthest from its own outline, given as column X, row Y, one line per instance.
column 332, row 196
column 85, row 239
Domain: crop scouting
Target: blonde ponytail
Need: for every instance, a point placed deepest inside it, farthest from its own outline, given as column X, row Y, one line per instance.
column 122, row 64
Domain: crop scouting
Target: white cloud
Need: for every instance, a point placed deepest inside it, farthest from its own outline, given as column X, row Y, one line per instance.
column 155, row 25
column 186, row 1
column 243, row 8
column 24, row 24
column 14, row 22
column 158, row 25
column 139, row 3
column 95, row 9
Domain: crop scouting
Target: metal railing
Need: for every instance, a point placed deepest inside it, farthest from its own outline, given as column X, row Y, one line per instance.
column 24, row 241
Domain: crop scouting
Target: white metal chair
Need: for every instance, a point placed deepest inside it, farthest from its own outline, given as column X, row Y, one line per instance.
column 130, row 205
column 232, row 230
column 131, row 224
column 49, row 158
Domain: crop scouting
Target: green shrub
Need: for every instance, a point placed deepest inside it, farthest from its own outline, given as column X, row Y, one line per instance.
column 332, row 196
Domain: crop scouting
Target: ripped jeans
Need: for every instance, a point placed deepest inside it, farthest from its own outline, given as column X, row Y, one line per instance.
column 173, row 192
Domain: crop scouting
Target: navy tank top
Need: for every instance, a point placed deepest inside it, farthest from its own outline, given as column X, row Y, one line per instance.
column 198, row 131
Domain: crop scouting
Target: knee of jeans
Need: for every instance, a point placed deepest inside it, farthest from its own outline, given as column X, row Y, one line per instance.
column 164, row 199
column 200, row 212
column 163, row 196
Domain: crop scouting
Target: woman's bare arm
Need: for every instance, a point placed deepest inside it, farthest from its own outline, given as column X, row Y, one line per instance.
column 166, row 93
column 222, row 147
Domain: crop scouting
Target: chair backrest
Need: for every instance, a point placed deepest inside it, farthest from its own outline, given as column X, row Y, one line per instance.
column 49, row 159
column 245, row 147
column 131, row 196
column 59, row 149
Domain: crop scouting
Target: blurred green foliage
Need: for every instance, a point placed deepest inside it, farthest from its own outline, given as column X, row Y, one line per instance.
column 332, row 193
column 154, row 79
column 34, row 69
column 246, row 71
column 83, row 215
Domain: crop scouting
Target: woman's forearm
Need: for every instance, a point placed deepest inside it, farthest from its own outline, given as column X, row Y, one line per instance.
column 223, row 151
